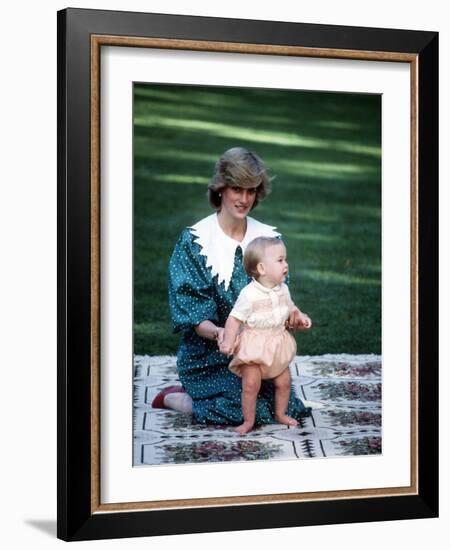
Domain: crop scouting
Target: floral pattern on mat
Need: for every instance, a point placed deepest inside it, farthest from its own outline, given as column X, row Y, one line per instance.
column 344, row 391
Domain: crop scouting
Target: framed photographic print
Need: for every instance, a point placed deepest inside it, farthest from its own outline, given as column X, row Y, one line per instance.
column 181, row 139
column 169, row 118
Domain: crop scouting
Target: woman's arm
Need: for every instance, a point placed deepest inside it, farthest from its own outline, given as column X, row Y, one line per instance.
column 191, row 296
column 208, row 330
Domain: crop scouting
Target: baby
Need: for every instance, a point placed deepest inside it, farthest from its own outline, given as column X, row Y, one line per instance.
column 263, row 348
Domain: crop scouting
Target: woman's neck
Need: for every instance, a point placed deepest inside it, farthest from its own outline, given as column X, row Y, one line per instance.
column 235, row 229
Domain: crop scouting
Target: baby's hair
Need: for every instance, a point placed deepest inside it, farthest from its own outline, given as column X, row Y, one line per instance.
column 238, row 167
column 255, row 252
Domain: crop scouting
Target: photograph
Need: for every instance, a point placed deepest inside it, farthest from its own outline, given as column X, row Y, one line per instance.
column 256, row 274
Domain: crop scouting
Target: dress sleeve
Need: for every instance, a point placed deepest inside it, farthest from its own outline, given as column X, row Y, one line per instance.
column 191, row 289
column 242, row 308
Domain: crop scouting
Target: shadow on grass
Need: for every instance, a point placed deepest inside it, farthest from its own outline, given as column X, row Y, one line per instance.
column 324, row 150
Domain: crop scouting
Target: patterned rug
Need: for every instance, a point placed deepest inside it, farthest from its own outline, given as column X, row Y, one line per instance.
column 344, row 392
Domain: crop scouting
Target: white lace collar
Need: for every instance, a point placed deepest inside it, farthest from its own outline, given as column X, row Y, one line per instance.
column 220, row 249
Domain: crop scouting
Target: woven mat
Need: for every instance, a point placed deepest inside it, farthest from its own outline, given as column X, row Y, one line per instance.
column 343, row 390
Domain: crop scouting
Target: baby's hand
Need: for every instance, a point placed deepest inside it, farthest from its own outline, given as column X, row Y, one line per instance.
column 305, row 321
column 226, row 348
column 298, row 320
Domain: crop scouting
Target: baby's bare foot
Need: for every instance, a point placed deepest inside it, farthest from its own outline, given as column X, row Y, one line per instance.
column 244, row 428
column 285, row 419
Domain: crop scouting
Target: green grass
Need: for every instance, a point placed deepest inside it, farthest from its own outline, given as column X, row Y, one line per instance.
column 324, row 150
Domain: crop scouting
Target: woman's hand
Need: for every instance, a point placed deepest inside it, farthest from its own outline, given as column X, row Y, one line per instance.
column 220, row 335
column 298, row 320
column 208, row 330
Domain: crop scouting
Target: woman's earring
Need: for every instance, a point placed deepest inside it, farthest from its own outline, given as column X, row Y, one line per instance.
column 220, row 194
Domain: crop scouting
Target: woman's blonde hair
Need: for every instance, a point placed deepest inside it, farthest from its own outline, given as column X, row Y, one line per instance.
column 254, row 253
column 238, row 167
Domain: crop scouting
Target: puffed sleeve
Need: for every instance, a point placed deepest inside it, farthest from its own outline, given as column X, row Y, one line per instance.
column 191, row 292
column 242, row 308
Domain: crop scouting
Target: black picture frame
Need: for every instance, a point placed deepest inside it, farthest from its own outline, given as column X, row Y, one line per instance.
column 79, row 516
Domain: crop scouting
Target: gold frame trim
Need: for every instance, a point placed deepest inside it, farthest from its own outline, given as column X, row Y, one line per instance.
column 97, row 41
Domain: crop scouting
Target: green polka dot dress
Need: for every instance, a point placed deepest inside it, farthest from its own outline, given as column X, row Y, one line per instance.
column 195, row 295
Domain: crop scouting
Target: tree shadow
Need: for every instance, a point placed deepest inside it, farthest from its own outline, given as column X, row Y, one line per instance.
column 324, row 150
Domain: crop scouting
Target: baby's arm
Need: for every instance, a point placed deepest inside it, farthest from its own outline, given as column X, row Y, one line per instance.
column 297, row 319
column 238, row 315
column 305, row 320
column 231, row 330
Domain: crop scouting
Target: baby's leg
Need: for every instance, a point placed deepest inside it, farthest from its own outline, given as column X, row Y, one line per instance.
column 282, row 385
column 251, row 383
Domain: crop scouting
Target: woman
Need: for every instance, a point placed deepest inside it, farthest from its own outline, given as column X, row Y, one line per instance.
column 205, row 277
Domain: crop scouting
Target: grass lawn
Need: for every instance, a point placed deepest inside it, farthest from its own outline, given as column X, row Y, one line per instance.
column 324, row 150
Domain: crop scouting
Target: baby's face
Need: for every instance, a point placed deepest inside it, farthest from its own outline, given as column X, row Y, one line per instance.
column 275, row 264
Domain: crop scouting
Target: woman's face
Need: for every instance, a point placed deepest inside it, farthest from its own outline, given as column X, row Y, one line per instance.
column 237, row 201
